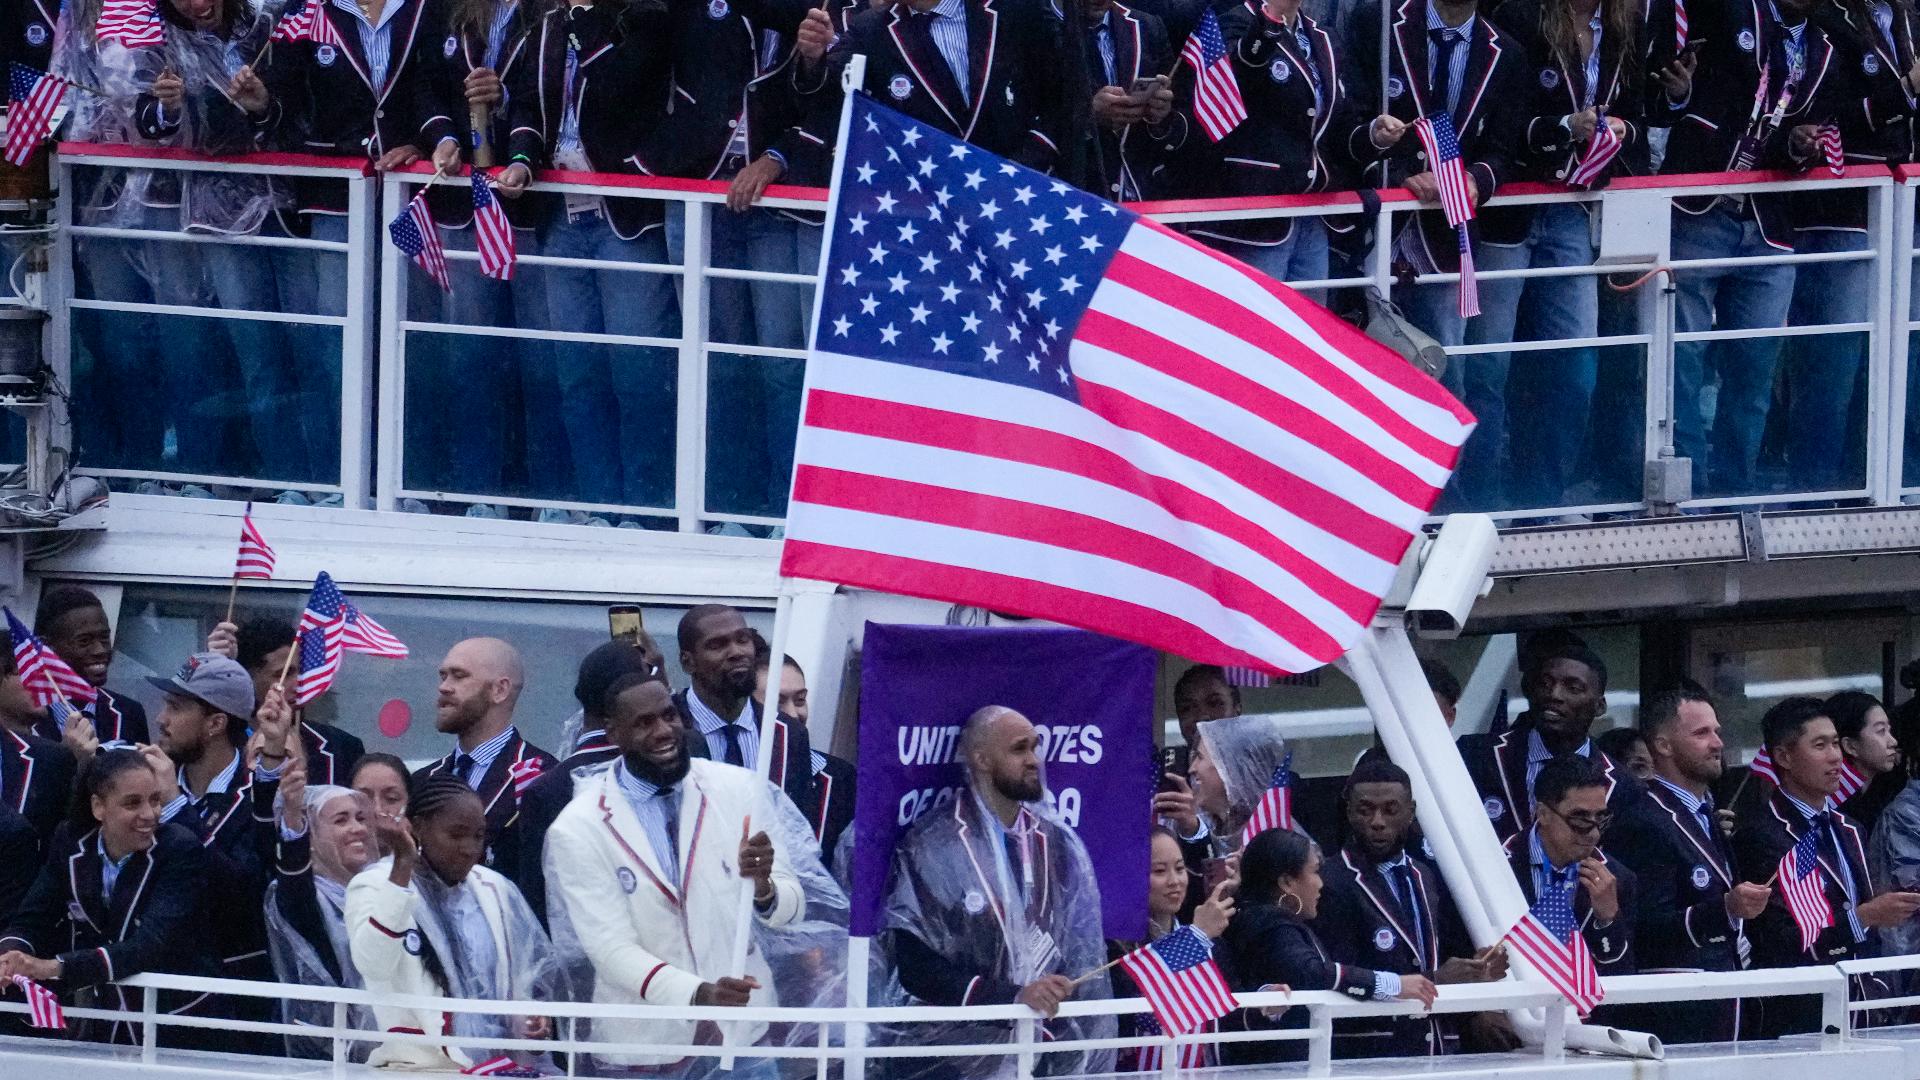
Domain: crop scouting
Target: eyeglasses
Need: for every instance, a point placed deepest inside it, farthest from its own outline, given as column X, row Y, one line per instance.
column 1585, row 824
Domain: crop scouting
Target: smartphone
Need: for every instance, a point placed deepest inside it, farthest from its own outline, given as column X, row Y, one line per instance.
column 623, row 623
column 1142, row 87
column 1173, row 759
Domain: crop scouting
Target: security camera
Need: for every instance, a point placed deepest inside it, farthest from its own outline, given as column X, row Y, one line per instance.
column 1452, row 575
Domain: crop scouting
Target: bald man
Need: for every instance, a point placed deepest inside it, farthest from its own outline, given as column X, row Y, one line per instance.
column 993, row 901
column 480, row 683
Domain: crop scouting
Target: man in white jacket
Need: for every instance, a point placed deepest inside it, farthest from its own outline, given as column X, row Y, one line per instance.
column 644, row 873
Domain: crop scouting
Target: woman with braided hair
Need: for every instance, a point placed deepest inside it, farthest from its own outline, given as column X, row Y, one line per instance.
column 430, row 920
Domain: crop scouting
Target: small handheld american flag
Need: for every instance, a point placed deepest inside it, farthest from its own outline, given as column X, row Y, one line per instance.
column 255, row 558
column 32, row 97
column 499, row 1066
column 1830, row 149
column 1179, row 978
column 1602, row 148
column 369, row 638
column 1679, row 27
column 307, row 24
column 415, row 233
column 48, row 680
column 1442, row 144
column 523, row 773
column 1547, row 937
column 1275, row 810
column 1804, row 887
column 43, row 1005
column 493, row 234
column 133, row 23
column 1852, row 780
column 321, row 626
column 1217, row 103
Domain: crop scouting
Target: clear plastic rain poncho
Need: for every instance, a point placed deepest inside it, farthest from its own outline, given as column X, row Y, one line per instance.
column 954, row 887
column 516, row 962
column 1245, row 750
column 807, row 957
column 214, row 123
column 296, row 959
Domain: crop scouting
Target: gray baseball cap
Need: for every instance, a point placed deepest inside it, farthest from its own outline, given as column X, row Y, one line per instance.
column 215, row 680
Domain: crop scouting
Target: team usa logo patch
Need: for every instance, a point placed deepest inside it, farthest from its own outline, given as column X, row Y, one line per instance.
column 1746, row 40
column 413, row 942
column 1395, row 87
column 1870, row 64
column 325, row 55
column 36, row 34
column 1383, row 939
column 1700, row 877
column 628, row 883
column 452, row 46
column 1494, row 807
column 717, row 9
column 1280, row 71
column 1549, row 78
column 975, row 902
column 899, row 86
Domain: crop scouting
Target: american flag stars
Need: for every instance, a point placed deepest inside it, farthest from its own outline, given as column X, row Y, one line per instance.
column 960, row 264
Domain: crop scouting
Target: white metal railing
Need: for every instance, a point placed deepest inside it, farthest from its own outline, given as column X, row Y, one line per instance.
column 374, row 444
column 844, row 1035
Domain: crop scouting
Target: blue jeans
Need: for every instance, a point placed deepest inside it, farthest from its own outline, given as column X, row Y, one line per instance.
column 1478, row 380
column 1548, row 392
column 617, row 402
column 315, row 283
column 1730, row 298
column 1301, row 257
column 1823, row 372
column 749, row 473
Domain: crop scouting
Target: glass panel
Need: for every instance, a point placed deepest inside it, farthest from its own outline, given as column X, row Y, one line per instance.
column 753, row 414
column 1816, row 432
column 389, row 703
column 1753, row 667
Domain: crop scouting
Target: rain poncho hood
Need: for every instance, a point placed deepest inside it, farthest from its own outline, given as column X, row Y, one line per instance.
column 296, row 959
column 1245, row 750
column 955, row 888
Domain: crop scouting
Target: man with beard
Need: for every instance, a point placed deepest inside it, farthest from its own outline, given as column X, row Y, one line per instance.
column 1384, row 906
column 1693, row 908
column 993, row 901
column 480, row 683
column 717, row 653
column 644, row 872
column 1566, row 689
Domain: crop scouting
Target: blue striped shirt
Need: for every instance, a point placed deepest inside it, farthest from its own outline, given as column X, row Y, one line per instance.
column 483, row 757
column 1456, row 71
column 709, row 724
column 949, row 31
column 654, row 810
column 376, row 38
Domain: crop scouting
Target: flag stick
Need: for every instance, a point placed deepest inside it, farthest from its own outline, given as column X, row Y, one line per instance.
column 287, row 664
column 233, row 590
column 1103, row 967
column 852, row 80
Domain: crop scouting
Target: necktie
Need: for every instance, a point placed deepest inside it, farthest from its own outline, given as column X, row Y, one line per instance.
column 670, row 811
column 1014, row 861
column 463, row 764
column 1410, row 900
column 731, row 732
column 1446, row 43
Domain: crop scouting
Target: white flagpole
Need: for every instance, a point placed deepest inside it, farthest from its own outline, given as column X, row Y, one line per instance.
column 853, row 78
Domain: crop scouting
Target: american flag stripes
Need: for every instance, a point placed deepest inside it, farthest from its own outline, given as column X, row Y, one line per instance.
column 32, row 97
column 43, row 1006
column 999, row 413
column 47, row 678
column 1602, row 148
column 523, row 773
column 307, row 24
column 133, row 23
column 1548, row 938
column 499, row 1066
column 1830, row 149
column 1803, row 887
column 1275, row 809
column 1179, row 978
column 1217, row 103
column 1679, row 27
column 362, row 635
column 415, row 233
column 493, row 235
column 255, row 558
column 1246, row 677
column 1442, row 145
column 1852, row 780
column 1192, row 1055
column 321, row 626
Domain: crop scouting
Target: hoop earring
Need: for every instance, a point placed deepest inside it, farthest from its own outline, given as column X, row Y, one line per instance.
column 1298, row 906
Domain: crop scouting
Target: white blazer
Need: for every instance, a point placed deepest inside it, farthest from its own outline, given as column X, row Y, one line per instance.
column 648, row 941
column 386, row 947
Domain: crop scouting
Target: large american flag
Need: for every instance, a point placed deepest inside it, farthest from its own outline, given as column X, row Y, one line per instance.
column 1852, row 780
column 1217, row 103
column 1179, row 978
column 32, row 97
column 134, row 23
column 1442, row 145
column 47, row 679
column 255, row 558
column 43, row 1006
column 1275, row 809
column 493, row 234
column 415, row 233
column 1025, row 398
column 1804, row 888
column 321, row 626
column 1550, row 940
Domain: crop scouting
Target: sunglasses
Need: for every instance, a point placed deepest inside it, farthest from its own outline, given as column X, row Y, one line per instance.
column 1585, row 824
